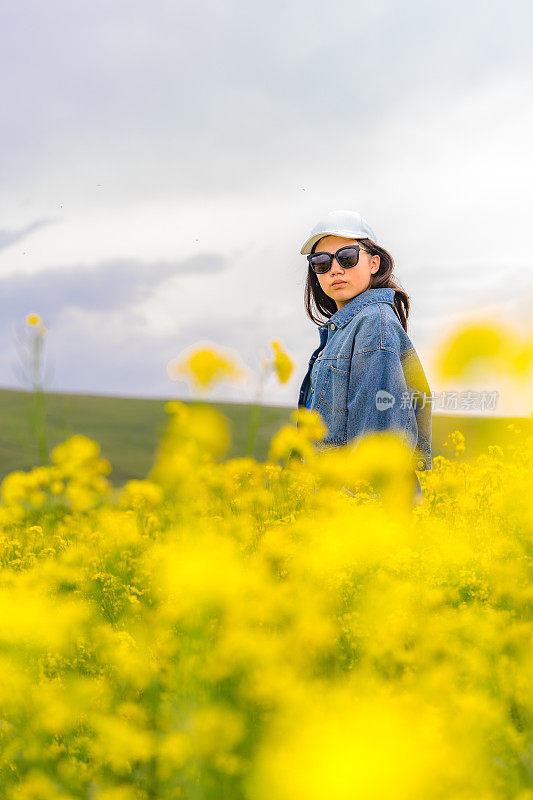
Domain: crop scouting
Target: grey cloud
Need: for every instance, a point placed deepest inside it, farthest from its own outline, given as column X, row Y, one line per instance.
column 215, row 76
column 118, row 104
column 108, row 285
column 9, row 237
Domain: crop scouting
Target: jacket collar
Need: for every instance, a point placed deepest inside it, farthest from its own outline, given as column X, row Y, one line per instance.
column 343, row 315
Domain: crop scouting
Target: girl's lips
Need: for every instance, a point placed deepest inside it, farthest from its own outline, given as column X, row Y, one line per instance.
column 339, row 283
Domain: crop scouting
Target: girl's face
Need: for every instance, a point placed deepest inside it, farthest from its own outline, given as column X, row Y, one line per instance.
column 342, row 285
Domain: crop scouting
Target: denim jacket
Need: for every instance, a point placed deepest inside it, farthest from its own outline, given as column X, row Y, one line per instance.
column 366, row 376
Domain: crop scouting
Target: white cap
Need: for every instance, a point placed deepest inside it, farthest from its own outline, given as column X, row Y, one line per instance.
column 340, row 223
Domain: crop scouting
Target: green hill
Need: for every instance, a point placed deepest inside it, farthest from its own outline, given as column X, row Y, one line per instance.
column 128, row 429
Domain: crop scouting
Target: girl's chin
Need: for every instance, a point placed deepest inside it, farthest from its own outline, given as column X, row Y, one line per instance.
column 345, row 292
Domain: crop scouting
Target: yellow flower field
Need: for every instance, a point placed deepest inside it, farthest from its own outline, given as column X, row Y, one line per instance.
column 289, row 630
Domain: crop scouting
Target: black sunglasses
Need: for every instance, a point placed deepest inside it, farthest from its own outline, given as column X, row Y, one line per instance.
column 347, row 257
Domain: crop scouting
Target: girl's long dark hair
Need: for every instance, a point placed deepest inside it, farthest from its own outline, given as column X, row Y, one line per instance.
column 317, row 302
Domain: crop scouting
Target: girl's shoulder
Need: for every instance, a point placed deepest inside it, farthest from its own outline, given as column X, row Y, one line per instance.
column 378, row 326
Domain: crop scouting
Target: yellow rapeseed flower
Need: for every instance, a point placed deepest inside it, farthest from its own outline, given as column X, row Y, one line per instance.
column 457, row 439
column 289, row 442
column 33, row 320
column 522, row 359
column 264, row 633
column 204, row 366
column 15, row 487
column 80, row 496
column 309, row 423
column 37, row 784
column 77, row 449
column 216, row 729
column 282, row 363
column 476, row 349
column 119, row 743
column 341, row 746
column 56, row 487
column 37, row 498
column 29, row 617
column 140, row 494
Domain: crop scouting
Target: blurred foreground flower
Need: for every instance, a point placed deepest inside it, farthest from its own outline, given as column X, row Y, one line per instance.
column 35, row 321
column 235, row 629
column 298, row 442
column 196, row 435
column 310, row 422
column 457, row 439
column 204, row 366
column 475, row 349
column 140, row 494
column 77, row 475
column 282, row 363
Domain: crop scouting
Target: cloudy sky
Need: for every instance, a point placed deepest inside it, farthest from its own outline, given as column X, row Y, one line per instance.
column 163, row 163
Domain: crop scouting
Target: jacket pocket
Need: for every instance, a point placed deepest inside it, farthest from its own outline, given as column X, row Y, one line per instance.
column 334, row 391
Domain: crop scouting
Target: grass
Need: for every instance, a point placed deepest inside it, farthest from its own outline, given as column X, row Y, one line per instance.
column 128, row 429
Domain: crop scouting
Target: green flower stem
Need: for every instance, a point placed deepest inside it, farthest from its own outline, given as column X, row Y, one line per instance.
column 36, row 410
column 255, row 414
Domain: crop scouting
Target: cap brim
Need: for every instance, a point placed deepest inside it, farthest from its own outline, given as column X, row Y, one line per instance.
column 306, row 249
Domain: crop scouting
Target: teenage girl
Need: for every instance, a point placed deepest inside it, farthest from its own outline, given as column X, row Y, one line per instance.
column 365, row 374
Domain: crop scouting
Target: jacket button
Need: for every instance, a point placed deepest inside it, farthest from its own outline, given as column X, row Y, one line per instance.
column 333, row 326
column 420, row 463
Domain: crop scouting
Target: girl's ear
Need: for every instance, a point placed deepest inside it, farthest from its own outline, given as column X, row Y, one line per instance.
column 375, row 264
